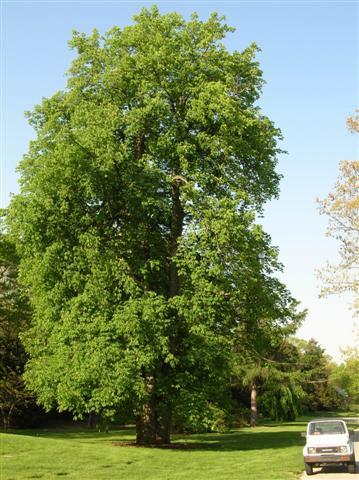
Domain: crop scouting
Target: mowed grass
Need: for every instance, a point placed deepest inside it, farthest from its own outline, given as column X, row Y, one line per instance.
column 268, row 452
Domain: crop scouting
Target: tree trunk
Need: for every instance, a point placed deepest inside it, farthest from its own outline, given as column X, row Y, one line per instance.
column 163, row 425
column 91, row 420
column 7, row 416
column 146, row 418
column 164, row 410
column 6, row 423
column 254, row 412
column 146, row 426
column 151, row 428
column 153, row 422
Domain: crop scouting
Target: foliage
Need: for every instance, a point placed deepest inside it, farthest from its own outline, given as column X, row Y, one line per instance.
column 282, row 391
column 346, row 375
column 14, row 317
column 316, row 368
column 342, row 208
column 282, row 397
column 353, row 123
column 267, row 366
column 203, row 417
column 277, row 380
column 136, row 221
column 295, row 376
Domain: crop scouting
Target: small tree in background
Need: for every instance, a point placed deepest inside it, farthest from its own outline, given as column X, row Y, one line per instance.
column 345, row 376
column 342, row 208
column 266, row 366
column 316, row 367
column 274, row 382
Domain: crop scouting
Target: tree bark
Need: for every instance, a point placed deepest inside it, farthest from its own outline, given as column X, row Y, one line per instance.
column 6, row 423
column 254, row 412
column 152, row 427
column 153, row 421
column 163, row 424
column 146, row 418
column 91, row 420
column 145, row 426
column 164, row 420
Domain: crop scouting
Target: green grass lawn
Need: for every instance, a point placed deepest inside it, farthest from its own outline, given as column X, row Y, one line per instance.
column 272, row 451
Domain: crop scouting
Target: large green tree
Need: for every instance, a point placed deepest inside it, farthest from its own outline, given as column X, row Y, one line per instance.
column 136, row 220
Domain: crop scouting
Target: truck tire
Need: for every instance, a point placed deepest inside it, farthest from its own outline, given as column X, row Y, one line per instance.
column 308, row 468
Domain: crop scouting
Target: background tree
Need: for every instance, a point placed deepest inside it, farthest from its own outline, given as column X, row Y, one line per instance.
column 266, row 365
column 345, row 376
column 136, row 220
column 342, row 208
column 282, row 392
column 14, row 318
column 274, row 382
column 288, row 377
column 316, row 368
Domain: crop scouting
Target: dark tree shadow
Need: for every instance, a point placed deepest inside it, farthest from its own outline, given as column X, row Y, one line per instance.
column 237, row 441
column 233, row 441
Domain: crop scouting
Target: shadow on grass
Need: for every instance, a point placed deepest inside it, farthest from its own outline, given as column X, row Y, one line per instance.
column 289, row 424
column 253, row 440
column 233, row 441
column 237, row 441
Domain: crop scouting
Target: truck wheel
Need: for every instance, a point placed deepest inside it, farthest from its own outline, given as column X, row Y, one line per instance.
column 351, row 468
column 308, row 469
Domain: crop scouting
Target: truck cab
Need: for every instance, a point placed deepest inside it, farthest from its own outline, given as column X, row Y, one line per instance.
column 328, row 442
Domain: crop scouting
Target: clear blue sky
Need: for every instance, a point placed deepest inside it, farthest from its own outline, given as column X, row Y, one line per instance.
column 310, row 61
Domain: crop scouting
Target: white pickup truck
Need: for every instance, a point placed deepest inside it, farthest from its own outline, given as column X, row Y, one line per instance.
column 328, row 442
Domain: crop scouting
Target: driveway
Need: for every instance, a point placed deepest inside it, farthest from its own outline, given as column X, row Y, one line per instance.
column 334, row 472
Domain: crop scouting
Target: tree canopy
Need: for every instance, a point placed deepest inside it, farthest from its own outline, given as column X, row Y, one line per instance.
column 136, row 222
